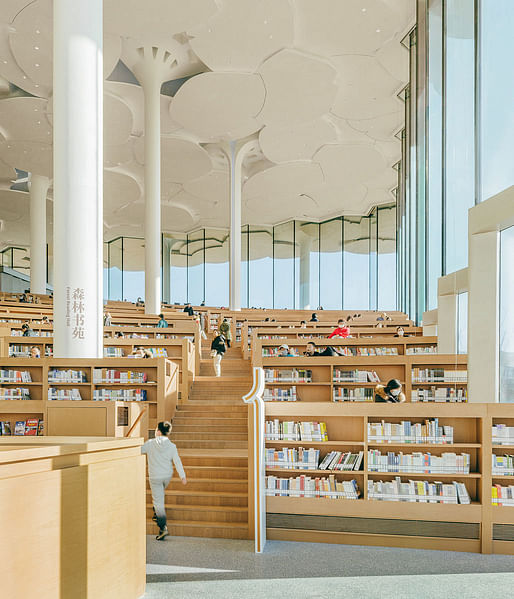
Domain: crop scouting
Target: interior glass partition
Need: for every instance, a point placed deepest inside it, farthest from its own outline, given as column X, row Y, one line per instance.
column 195, row 267
column 260, row 267
column 115, row 257
column 133, row 268
column 283, row 265
column 506, row 321
column 356, row 263
column 216, row 267
column 331, row 264
column 386, row 263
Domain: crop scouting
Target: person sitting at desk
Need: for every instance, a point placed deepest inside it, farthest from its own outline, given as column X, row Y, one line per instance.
column 342, row 330
column 27, row 330
column 400, row 332
column 390, row 393
column 284, row 351
column 162, row 324
column 328, row 351
column 314, row 317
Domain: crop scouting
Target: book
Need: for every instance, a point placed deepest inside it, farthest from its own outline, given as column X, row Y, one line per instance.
column 31, row 426
column 19, row 427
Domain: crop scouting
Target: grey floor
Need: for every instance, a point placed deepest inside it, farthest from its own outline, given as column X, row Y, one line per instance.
column 184, row 567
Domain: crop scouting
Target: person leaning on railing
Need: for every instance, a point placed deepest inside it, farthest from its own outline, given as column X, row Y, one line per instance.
column 390, row 393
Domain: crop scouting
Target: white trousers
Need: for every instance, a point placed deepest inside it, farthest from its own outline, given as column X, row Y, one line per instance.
column 217, row 364
column 158, row 487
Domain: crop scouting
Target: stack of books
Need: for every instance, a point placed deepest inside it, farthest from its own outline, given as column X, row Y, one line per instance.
column 292, row 459
column 349, row 394
column 66, row 376
column 119, row 395
column 14, row 393
column 418, row 491
column 305, row 486
column 355, row 376
column 503, row 465
column 407, row 432
column 376, row 351
column 15, row 376
column 438, row 375
column 158, row 352
column 418, row 462
column 273, row 352
column 338, row 460
column 275, row 430
column 107, row 375
column 290, row 375
column 63, row 394
column 503, row 434
column 440, row 395
column 280, row 394
column 30, row 427
column 502, row 496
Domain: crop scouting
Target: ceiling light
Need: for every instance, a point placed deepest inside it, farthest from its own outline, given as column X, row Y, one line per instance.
column 378, row 30
column 36, row 85
column 37, row 64
column 5, row 61
column 37, row 31
column 36, row 47
column 24, row 76
column 39, row 122
column 363, row 9
column 35, row 109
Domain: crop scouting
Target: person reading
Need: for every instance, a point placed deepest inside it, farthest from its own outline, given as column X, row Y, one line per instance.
column 328, row 351
column 390, row 393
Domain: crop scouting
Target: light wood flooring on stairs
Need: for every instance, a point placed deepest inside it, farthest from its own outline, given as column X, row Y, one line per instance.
column 210, row 431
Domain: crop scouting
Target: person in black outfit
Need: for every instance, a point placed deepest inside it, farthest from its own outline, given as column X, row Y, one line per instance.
column 218, row 349
column 188, row 309
column 328, row 351
column 314, row 317
column 390, row 393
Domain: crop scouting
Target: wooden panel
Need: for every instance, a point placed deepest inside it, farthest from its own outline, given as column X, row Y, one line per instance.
column 77, row 420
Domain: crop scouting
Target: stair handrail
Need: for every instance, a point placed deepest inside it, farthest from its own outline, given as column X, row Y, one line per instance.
column 256, row 446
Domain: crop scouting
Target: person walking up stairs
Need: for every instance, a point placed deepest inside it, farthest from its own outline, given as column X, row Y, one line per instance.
column 210, row 431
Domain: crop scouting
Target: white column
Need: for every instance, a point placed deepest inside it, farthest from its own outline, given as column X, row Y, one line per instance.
column 152, row 88
column 235, row 227
column 38, row 191
column 305, row 272
column 78, row 178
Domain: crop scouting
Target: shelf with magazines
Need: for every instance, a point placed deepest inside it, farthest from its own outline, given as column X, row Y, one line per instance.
column 415, row 464
column 48, row 384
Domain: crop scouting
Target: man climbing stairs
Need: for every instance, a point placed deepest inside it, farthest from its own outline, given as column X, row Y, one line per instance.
column 210, row 431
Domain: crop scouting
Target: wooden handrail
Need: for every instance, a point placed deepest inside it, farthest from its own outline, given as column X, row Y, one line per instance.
column 136, row 421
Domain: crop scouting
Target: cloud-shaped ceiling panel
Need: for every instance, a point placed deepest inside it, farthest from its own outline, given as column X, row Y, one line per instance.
column 243, row 34
column 14, row 218
column 296, row 142
column 31, row 42
column 367, row 89
column 31, row 156
column 212, row 187
column 117, row 121
column 119, row 190
column 332, row 27
column 156, row 17
column 183, row 160
column 219, row 105
column 281, row 191
column 299, row 88
column 350, row 163
column 380, row 128
column 25, row 119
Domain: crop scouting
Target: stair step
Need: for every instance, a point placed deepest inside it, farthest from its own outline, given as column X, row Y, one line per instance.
column 210, row 444
column 196, row 498
column 194, row 427
column 207, row 435
column 222, row 485
column 208, row 513
column 217, row 472
column 199, row 420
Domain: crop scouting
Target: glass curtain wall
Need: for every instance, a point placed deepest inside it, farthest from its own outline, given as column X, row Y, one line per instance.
column 345, row 263
column 495, row 94
column 437, row 171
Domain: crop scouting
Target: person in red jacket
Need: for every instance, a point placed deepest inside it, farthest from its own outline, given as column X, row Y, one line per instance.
column 342, row 330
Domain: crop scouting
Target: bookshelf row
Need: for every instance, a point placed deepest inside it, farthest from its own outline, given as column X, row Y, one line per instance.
column 425, row 379
column 442, row 465
column 34, row 388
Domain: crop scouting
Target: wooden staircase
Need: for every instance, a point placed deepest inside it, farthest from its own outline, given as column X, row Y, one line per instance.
column 210, row 431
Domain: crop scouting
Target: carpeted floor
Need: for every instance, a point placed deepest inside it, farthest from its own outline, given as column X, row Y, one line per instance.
column 189, row 567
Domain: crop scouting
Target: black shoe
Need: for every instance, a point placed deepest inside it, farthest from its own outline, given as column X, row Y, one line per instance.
column 163, row 533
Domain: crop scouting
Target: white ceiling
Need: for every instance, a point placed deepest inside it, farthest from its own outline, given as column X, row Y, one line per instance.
column 316, row 82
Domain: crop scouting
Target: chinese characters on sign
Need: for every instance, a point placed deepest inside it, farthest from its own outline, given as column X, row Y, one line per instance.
column 75, row 299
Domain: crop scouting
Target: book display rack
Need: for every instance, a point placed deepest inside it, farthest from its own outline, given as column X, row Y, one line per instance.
column 434, row 477
column 434, row 378
column 89, row 397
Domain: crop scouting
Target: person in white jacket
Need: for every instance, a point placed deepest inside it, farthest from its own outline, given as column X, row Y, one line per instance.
column 161, row 455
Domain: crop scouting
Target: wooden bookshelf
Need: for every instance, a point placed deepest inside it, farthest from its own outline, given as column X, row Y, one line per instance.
column 268, row 331
column 161, row 388
column 371, row 522
column 325, row 383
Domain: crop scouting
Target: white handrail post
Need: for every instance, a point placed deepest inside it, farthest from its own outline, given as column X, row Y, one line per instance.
column 256, row 446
